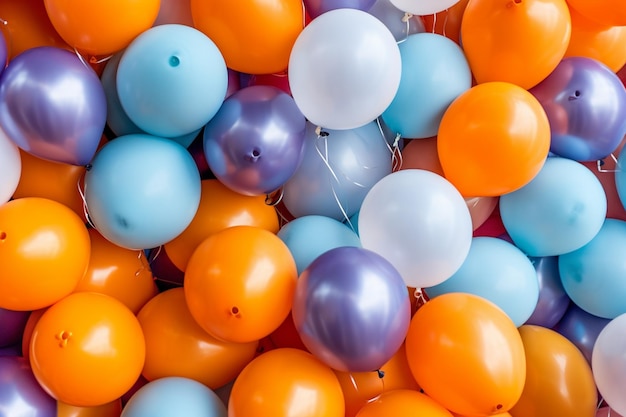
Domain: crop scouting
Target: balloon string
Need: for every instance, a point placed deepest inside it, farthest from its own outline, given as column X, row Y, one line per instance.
column 434, row 22
column 445, row 23
column 394, row 149
column 93, row 59
column 270, row 199
column 600, row 163
column 82, row 59
column 420, row 296
column 85, row 208
column 406, row 19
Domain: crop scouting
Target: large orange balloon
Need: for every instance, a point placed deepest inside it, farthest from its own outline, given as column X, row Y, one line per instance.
column 220, row 207
column 493, row 139
column 286, row 383
column 605, row 12
column 466, row 354
column 87, row 349
column 559, row 381
column 112, row 409
column 517, row 41
column 255, row 36
column 44, row 252
column 177, row 346
column 240, row 282
column 405, row 403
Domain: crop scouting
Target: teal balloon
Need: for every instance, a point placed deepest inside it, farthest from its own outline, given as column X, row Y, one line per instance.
column 142, row 191
column 594, row 276
column 557, row 212
column 434, row 73
column 499, row 272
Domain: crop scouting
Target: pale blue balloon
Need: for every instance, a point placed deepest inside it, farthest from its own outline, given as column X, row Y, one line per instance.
column 142, row 191
column 620, row 178
column 434, row 73
column 594, row 276
column 557, row 212
column 308, row 237
column 499, row 272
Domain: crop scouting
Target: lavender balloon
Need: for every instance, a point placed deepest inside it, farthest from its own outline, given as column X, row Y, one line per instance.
column 553, row 300
column 53, row 105
column 315, row 8
column 12, row 325
column 255, row 142
column 20, row 393
column 351, row 309
column 581, row 328
column 585, row 102
column 4, row 53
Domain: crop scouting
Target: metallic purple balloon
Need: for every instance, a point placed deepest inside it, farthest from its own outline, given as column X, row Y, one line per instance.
column 581, row 328
column 585, row 103
column 12, row 325
column 553, row 300
column 315, row 8
column 255, row 142
column 20, row 393
column 351, row 309
column 53, row 105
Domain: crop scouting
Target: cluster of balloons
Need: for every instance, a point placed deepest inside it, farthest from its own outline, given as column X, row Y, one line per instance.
column 312, row 208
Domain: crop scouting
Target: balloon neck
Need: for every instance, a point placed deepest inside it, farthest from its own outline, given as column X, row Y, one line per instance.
column 514, row 3
column 575, row 95
column 235, row 312
column 63, row 337
column 254, row 155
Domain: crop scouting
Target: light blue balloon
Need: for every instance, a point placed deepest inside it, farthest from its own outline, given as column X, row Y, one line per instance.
column 308, row 237
column 171, row 80
column 594, row 276
column 174, row 397
column 434, row 73
column 499, row 272
column 557, row 212
column 142, row 191
column 620, row 178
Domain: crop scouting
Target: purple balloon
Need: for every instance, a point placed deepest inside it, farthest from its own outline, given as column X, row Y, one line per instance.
column 20, row 393
column 12, row 350
column 4, row 52
column 315, row 8
column 585, row 102
column 553, row 300
column 12, row 324
column 255, row 142
column 581, row 328
column 53, row 105
column 351, row 309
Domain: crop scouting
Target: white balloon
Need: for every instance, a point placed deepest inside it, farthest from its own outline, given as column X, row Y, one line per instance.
column 344, row 69
column 423, row 7
column 10, row 167
column 608, row 362
column 420, row 223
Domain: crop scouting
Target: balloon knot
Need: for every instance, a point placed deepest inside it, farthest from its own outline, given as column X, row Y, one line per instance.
column 381, row 373
column 63, row 338
column 88, row 167
column 407, row 16
column 320, row 133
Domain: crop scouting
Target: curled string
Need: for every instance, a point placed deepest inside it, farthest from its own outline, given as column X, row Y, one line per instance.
column 84, row 200
column 271, row 200
column 600, row 163
column 421, row 298
column 143, row 267
column 381, row 376
column 82, row 59
column 394, row 149
column 406, row 19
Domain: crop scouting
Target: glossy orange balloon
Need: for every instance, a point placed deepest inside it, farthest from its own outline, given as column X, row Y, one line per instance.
column 403, row 402
column 286, row 383
column 254, row 36
column 466, row 354
column 87, row 349
column 447, row 22
column 605, row 12
column 517, row 41
column 220, row 207
column 112, row 409
column 177, row 346
column 101, row 27
column 44, row 252
column 559, row 381
column 33, row 318
column 240, row 282
column 493, row 139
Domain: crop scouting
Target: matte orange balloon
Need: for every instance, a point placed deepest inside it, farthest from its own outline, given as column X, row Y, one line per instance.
column 559, row 381
column 87, row 349
column 517, row 41
column 254, row 36
column 466, row 354
column 447, row 22
column 177, row 346
column 606, row 12
column 101, row 27
column 493, row 139
column 286, row 383
column 240, row 282
column 220, row 207
column 112, row 409
column 405, row 403
column 44, row 252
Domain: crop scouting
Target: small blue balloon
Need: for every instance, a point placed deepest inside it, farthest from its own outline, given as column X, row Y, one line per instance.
column 499, row 272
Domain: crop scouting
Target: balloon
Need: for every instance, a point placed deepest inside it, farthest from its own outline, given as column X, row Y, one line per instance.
column 44, row 252
column 103, row 27
column 559, row 381
column 280, row 81
column 255, row 36
column 111, row 409
column 450, row 350
column 398, row 22
column 173, row 396
column 518, row 42
column 10, row 168
column 559, row 211
column 32, row 321
column 605, row 12
column 405, row 403
column 64, row 116
column 420, row 223
column 607, row 412
column 447, row 22
column 608, row 364
column 12, row 350
column 553, row 300
column 493, row 139
column 21, row 394
column 423, row 7
column 12, row 325
column 314, row 8
column 239, row 283
column 344, row 69
column 620, row 178
column 255, row 142
column 87, row 349
column 286, row 335
column 301, row 386
column 581, row 328
column 142, row 191
column 174, row 11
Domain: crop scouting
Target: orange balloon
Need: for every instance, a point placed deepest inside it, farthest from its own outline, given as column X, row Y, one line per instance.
column 517, row 41
column 559, row 381
column 605, row 12
column 112, row 409
column 286, row 383
column 220, row 207
column 492, row 415
column 447, row 22
column 403, row 402
column 177, row 346
column 87, row 349
column 493, row 139
column 101, row 27
column 466, row 354
column 255, row 36
column 44, row 252
column 33, row 318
